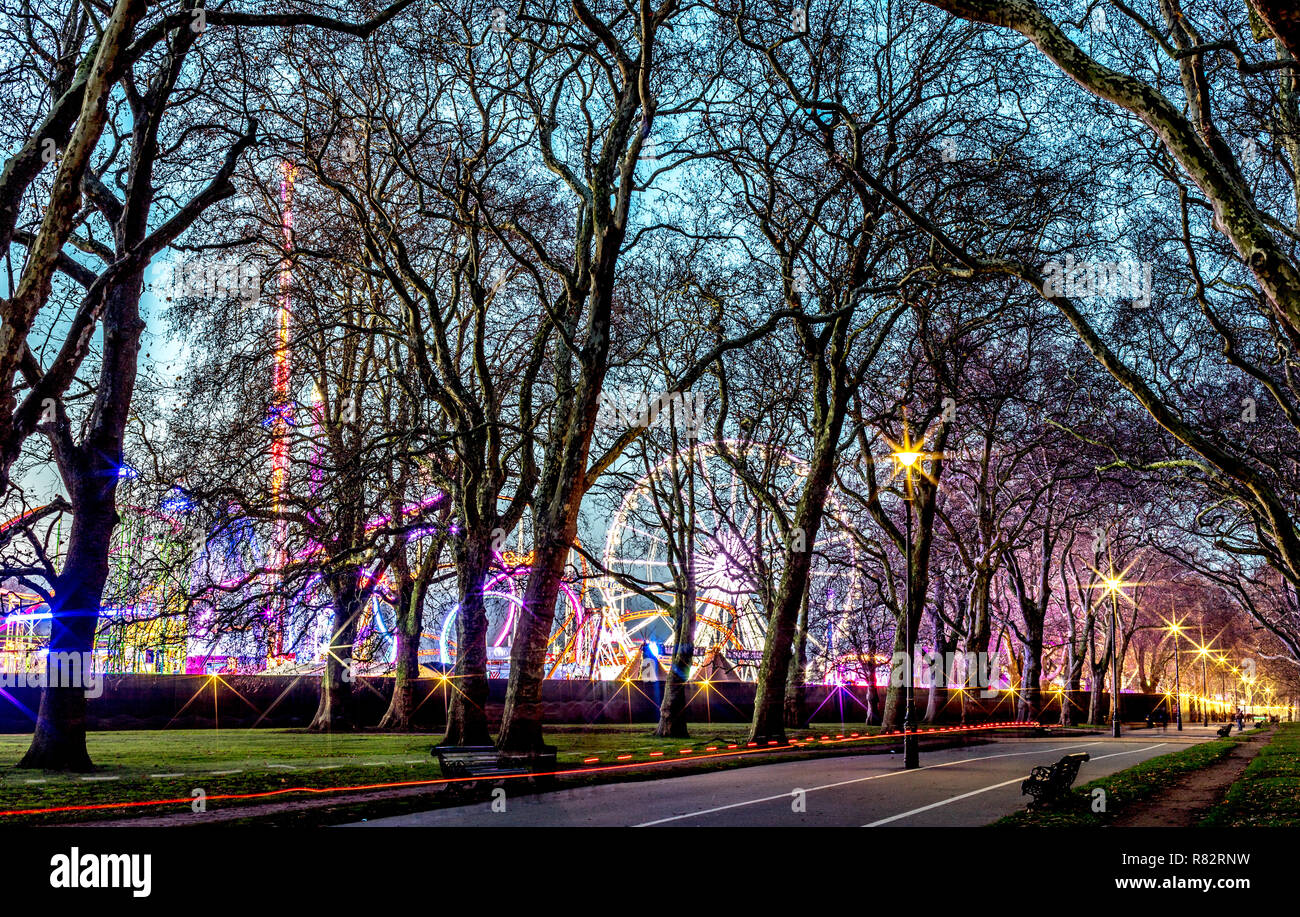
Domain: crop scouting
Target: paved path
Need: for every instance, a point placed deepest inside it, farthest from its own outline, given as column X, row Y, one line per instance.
column 1183, row 802
column 954, row 787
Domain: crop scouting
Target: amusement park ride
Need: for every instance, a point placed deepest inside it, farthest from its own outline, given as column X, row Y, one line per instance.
column 611, row 624
column 604, row 630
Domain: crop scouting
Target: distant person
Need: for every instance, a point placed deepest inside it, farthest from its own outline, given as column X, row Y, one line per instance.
column 1241, row 721
column 1150, row 723
column 1162, row 717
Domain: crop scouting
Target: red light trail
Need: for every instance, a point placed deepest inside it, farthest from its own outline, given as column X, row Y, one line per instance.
column 657, row 756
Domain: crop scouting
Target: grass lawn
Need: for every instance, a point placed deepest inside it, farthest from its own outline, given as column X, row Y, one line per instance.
column 1268, row 793
column 171, row 764
column 1124, row 788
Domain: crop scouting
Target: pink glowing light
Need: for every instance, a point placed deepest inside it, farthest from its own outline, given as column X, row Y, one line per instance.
column 281, row 409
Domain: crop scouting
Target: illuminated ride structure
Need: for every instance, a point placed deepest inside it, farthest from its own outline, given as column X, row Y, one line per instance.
column 143, row 627
column 621, row 627
column 24, row 632
column 281, row 412
column 603, row 629
column 587, row 640
column 738, row 545
column 167, row 608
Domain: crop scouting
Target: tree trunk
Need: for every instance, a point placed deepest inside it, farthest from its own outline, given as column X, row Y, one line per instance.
column 467, row 714
column 981, row 630
column 521, row 722
column 555, row 526
column 1076, row 669
column 1031, row 676
column 944, row 645
column 922, row 539
column 872, row 693
column 672, row 709
column 1094, row 695
column 796, row 688
column 60, row 739
column 981, row 621
column 769, row 695
column 90, row 471
column 891, row 715
column 1069, row 683
column 334, row 713
column 410, row 614
column 555, row 519
column 1283, row 19
column 931, row 702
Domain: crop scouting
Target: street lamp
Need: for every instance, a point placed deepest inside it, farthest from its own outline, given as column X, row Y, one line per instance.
column 1222, row 662
column 1204, row 652
column 1114, row 585
column 907, row 458
column 1175, row 628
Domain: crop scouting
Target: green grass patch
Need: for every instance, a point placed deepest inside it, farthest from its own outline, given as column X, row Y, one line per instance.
column 170, row 764
column 1268, row 792
column 1123, row 789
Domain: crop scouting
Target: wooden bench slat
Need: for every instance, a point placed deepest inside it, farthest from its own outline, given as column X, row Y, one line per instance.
column 486, row 761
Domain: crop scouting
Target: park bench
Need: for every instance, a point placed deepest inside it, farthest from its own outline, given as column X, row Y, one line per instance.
column 485, row 761
column 1048, row 783
column 1224, row 730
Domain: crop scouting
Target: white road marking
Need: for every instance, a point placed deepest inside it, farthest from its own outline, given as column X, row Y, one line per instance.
column 1133, row 752
column 177, row 774
column 830, row 786
column 223, row 773
column 944, row 802
column 101, row 778
column 996, row 786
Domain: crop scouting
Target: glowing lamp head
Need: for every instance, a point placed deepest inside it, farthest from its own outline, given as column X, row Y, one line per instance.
column 907, row 458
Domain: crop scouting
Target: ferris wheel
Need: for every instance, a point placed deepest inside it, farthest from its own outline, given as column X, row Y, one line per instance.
column 740, row 496
column 586, row 640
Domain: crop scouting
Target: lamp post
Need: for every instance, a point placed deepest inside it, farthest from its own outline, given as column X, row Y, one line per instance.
column 911, row 753
column 1204, row 651
column 1175, row 628
column 1113, row 585
column 1114, row 666
column 1223, row 684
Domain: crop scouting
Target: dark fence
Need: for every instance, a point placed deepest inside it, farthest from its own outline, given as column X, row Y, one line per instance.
column 243, row 701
